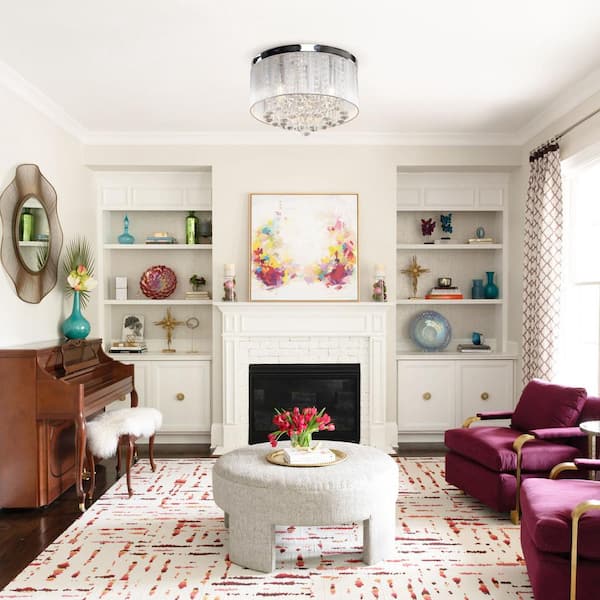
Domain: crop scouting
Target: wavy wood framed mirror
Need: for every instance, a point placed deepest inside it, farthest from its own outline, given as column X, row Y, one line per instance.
column 31, row 233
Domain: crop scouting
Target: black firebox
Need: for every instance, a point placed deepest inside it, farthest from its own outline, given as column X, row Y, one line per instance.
column 335, row 387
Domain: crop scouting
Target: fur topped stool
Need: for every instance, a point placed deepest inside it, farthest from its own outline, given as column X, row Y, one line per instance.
column 115, row 430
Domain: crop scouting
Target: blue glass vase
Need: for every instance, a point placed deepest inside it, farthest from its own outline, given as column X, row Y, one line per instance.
column 490, row 289
column 76, row 326
column 126, row 237
column 477, row 291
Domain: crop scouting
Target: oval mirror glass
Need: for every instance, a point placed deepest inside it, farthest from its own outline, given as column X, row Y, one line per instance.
column 33, row 234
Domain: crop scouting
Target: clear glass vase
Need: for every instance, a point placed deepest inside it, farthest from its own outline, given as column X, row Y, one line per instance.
column 301, row 440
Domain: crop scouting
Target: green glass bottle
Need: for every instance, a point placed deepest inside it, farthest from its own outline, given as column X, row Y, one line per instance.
column 26, row 225
column 192, row 226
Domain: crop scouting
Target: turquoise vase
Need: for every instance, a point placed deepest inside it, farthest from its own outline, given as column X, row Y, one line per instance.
column 126, row 237
column 491, row 289
column 76, row 326
column 477, row 291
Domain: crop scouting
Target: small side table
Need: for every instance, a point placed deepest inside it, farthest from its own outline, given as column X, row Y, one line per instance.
column 592, row 428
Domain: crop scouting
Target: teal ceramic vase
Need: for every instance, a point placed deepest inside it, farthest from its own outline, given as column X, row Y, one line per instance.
column 477, row 291
column 491, row 289
column 76, row 326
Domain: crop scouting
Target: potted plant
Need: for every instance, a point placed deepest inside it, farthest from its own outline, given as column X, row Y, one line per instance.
column 197, row 282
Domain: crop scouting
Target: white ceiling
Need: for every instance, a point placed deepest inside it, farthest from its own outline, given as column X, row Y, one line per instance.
column 432, row 67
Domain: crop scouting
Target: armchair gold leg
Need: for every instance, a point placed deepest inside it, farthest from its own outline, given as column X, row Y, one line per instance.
column 515, row 514
column 578, row 511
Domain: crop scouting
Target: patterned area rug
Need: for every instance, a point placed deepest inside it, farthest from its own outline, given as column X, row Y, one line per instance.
column 168, row 541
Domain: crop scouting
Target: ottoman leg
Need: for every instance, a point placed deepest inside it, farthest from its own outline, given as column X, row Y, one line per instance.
column 379, row 534
column 251, row 543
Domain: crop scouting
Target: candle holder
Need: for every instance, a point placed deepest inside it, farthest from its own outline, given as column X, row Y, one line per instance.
column 229, row 293
column 379, row 289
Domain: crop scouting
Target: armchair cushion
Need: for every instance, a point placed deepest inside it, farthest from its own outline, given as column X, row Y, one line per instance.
column 545, row 405
column 492, row 447
column 546, row 511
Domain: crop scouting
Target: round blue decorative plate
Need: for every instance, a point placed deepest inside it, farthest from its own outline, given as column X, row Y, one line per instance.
column 430, row 331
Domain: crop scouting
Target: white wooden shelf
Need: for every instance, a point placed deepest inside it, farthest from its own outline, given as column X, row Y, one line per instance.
column 449, row 247
column 171, row 247
column 422, row 301
column 150, row 302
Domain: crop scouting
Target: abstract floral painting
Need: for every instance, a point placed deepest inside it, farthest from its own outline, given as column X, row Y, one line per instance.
column 304, row 247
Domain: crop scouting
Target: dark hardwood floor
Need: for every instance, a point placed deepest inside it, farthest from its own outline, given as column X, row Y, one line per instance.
column 24, row 533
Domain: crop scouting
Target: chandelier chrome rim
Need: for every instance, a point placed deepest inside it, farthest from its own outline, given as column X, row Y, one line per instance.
column 304, row 48
column 304, row 87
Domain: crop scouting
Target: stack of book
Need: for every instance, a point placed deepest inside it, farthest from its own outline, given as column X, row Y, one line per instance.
column 160, row 238
column 444, row 293
column 128, row 347
column 298, row 456
column 203, row 295
column 473, row 348
column 486, row 240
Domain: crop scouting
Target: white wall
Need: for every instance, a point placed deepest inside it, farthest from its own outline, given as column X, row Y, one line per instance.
column 30, row 137
column 369, row 171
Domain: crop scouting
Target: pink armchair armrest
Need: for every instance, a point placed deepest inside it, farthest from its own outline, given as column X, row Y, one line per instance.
column 553, row 433
column 587, row 464
column 495, row 414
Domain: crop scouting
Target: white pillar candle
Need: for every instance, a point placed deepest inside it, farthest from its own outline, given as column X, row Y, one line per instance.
column 379, row 271
column 229, row 270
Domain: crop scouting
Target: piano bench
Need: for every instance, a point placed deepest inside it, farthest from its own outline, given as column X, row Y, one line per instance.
column 117, row 430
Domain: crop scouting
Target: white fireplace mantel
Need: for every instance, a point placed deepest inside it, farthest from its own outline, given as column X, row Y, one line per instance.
column 302, row 332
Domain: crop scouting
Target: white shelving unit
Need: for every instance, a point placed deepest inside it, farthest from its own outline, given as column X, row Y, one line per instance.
column 177, row 383
column 462, row 382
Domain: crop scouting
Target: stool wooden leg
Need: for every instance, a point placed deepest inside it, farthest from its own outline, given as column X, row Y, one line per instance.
column 119, row 458
column 130, row 449
column 151, row 452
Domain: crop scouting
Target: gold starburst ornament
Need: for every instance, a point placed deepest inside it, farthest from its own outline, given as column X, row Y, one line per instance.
column 414, row 271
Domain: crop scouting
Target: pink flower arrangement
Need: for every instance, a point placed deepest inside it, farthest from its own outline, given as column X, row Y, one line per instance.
column 299, row 425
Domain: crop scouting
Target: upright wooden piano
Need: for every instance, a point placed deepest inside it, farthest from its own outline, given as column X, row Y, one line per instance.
column 47, row 390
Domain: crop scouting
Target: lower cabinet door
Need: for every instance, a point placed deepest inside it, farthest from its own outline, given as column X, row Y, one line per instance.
column 485, row 385
column 426, row 395
column 181, row 391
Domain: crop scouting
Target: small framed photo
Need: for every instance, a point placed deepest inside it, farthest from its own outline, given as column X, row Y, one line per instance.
column 133, row 328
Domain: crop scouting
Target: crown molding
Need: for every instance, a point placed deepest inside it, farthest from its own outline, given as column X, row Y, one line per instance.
column 17, row 84
column 283, row 138
column 563, row 104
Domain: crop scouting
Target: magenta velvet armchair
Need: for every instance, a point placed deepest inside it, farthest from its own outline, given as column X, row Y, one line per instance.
column 560, row 533
column 490, row 462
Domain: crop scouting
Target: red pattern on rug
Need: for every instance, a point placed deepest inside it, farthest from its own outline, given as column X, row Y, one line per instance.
column 169, row 541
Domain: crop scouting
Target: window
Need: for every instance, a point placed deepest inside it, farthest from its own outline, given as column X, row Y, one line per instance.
column 579, row 350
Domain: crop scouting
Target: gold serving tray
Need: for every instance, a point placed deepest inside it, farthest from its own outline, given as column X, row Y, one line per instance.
column 277, row 458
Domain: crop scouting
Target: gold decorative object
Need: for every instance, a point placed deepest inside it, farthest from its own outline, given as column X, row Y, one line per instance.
column 414, row 271
column 169, row 323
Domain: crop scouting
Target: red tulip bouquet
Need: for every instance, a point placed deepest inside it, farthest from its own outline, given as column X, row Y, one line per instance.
column 299, row 425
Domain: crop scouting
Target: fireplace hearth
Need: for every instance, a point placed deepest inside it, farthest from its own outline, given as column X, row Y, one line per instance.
column 333, row 386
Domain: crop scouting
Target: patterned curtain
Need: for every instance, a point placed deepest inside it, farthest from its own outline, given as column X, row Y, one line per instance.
column 542, row 263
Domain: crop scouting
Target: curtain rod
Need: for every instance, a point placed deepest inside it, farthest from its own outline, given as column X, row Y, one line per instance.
column 569, row 129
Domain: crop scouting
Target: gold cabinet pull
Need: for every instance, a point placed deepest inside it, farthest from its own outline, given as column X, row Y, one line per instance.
column 485, row 396
column 426, row 396
column 180, row 396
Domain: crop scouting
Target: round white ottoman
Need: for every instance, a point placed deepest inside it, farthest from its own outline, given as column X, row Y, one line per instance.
column 257, row 495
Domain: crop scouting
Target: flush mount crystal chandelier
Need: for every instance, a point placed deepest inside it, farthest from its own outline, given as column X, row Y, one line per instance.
column 304, row 87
